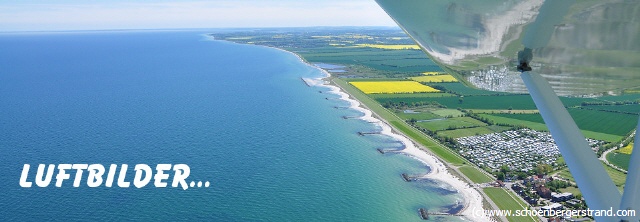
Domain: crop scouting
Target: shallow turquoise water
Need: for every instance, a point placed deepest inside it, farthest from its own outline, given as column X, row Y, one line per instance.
column 238, row 115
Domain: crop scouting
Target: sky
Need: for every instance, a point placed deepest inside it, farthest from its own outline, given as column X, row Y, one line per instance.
column 46, row 15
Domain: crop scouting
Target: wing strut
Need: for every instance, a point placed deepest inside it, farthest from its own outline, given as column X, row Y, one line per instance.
column 594, row 182
column 631, row 196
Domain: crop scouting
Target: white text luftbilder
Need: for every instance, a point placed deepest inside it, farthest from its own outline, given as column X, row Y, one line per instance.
column 96, row 172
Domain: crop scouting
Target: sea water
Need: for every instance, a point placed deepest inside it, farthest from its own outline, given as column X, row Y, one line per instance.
column 272, row 148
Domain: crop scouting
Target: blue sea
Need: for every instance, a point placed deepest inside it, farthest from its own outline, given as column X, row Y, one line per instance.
column 272, row 148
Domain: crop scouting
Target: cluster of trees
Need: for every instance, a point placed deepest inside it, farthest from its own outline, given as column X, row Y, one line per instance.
column 403, row 104
column 603, row 103
column 491, row 122
column 611, row 111
column 556, row 185
column 505, row 172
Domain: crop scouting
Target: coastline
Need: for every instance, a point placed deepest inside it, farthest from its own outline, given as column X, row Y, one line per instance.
column 472, row 209
column 472, row 198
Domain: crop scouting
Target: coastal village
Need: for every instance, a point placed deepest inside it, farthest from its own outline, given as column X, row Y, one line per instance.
column 497, row 142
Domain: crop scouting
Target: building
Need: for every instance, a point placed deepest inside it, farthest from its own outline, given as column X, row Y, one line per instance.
column 561, row 197
column 554, row 206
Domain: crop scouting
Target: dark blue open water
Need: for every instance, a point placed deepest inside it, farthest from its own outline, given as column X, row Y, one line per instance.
column 238, row 115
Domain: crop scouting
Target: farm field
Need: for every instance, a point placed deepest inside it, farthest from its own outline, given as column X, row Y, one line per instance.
column 626, row 149
column 474, row 102
column 506, row 111
column 451, row 123
column 374, row 58
column 392, row 87
column 509, row 120
column 515, row 122
column 423, row 115
column 461, row 89
column 505, row 201
column 618, row 177
column 457, row 133
column 619, row 159
column 394, row 47
column 626, row 97
column 434, row 78
column 597, row 121
column 448, row 112
column 410, row 95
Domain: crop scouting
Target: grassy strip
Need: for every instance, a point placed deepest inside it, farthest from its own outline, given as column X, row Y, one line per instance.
column 474, row 174
column 618, row 177
column 442, row 152
column 506, row 201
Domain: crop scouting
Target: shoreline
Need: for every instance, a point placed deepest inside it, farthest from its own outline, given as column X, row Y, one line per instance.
column 472, row 199
column 438, row 171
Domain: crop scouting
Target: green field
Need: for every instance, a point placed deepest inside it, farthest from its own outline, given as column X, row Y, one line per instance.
column 497, row 119
column 575, row 191
column 451, row 123
column 379, row 59
column 631, row 108
column 461, row 89
column 506, row 201
column 495, row 111
column 448, row 112
column 422, row 115
column 619, row 159
column 564, row 173
column 473, row 102
column 618, row 177
column 474, row 174
column 626, row 97
column 590, row 120
column 542, row 127
column 457, row 133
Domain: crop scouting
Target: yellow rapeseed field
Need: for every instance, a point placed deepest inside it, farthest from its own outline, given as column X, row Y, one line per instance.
column 435, row 78
column 432, row 73
column 392, row 87
column 627, row 149
column 396, row 47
